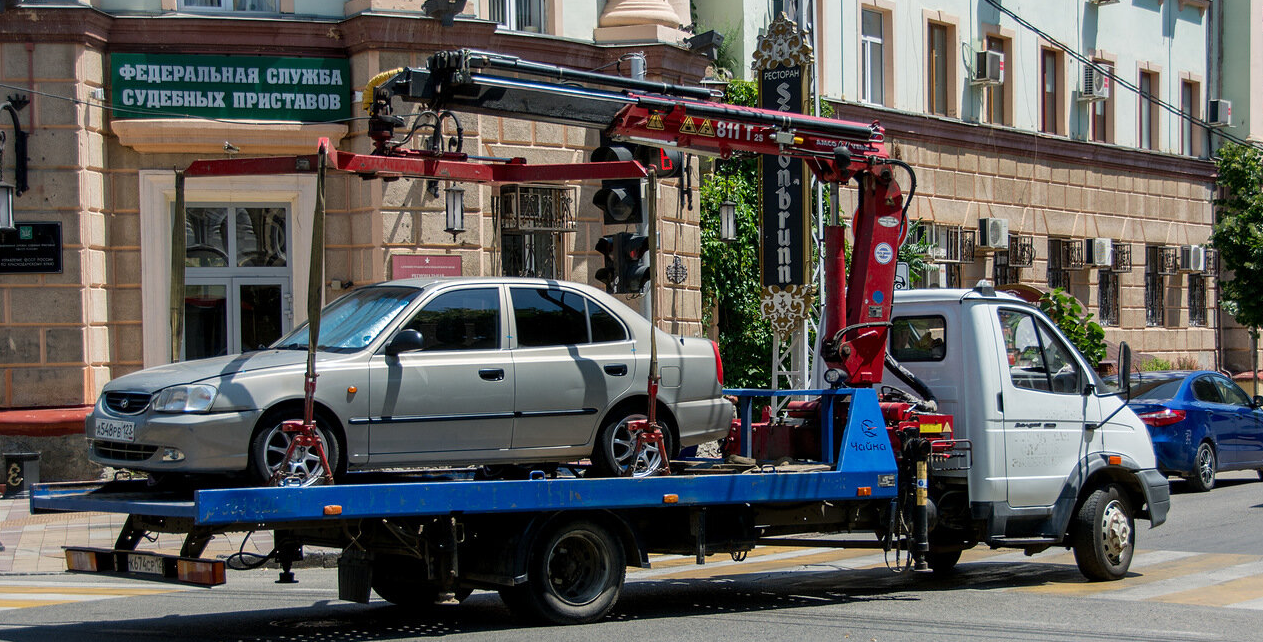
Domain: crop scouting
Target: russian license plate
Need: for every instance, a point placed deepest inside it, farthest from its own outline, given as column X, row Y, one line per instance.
column 115, row 430
column 147, row 564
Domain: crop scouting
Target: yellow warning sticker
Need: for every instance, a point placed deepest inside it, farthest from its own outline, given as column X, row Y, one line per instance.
column 688, row 126
column 706, row 129
column 655, row 121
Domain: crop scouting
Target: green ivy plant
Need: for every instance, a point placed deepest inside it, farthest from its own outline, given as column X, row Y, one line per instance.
column 1078, row 326
column 1238, row 234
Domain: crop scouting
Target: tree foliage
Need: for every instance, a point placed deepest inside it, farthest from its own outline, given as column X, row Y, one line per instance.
column 1238, row 234
column 1086, row 335
column 731, row 287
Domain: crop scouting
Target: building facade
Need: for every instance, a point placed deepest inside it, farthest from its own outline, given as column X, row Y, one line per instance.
column 1033, row 166
column 111, row 83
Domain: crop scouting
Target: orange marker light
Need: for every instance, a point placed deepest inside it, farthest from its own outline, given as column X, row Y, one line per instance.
column 670, row 498
column 350, row 390
column 1115, row 460
column 864, row 491
column 333, row 509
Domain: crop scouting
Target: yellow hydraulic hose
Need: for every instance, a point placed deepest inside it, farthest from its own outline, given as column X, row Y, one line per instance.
column 367, row 100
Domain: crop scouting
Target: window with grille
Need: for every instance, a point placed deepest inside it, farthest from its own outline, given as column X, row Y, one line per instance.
column 1002, row 273
column 1196, row 300
column 1058, row 276
column 1155, row 303
column 1107, row 298
column 530, row 254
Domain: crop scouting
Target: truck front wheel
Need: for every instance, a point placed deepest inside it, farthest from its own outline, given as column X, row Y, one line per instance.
column 1103, row 535
column 575, row 575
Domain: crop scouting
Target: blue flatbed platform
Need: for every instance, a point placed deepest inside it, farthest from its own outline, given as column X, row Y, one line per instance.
column 864, row 470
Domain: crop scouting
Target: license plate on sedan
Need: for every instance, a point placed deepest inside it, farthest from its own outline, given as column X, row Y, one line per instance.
column 116, row 430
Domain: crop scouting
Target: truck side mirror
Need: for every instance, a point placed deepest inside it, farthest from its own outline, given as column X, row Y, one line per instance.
column 1124, row 370
column 405, row 341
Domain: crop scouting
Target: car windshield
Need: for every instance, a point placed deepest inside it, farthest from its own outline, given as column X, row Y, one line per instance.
column 352, row 322
column 1155, row 387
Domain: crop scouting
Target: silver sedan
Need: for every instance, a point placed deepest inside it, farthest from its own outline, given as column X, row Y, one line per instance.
column 425, row 372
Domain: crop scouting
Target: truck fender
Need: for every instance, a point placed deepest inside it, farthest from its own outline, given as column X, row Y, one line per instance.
column 1146, row 489
column 633, row 545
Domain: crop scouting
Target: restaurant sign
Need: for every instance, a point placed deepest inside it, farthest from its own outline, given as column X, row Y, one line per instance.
column 246, row 87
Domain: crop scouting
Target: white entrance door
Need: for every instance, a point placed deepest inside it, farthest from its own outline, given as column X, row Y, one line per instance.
column 237, row 278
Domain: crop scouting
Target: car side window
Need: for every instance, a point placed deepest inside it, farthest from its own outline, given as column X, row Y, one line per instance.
column 1204, row 389
column 918, row 339
column 467, row 319
column 1232, row 393
column 1038, row 360
column 605, row 326
column 549, row 317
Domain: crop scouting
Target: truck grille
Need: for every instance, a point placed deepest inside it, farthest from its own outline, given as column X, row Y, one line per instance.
column 122, row 452
column 126, row 403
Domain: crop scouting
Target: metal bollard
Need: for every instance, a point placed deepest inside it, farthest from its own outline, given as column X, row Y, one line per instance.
column 20, row 471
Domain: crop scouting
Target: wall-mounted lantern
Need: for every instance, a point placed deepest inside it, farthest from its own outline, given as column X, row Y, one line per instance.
column 727, row 221
column 455, row 210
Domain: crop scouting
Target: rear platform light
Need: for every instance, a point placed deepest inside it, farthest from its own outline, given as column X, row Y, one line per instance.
column 1164, row 417
column 146, row 565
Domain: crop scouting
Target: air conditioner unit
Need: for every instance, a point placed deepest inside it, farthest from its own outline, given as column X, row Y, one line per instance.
column 1219, row 113
column 993, row 233
column 1098, row 252
column 1192, row 258
column 988, row 68
column 935, row 276
column 1096, row 84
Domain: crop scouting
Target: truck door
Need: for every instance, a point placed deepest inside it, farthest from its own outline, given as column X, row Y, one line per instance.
column 1044, row 409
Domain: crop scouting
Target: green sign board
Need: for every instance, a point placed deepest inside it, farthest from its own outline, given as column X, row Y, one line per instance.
column 244, row 87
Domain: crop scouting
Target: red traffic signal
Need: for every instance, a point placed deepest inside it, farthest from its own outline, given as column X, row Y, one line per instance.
column 667, row 162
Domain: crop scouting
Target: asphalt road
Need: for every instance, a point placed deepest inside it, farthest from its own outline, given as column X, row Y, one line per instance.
column 1211, row 541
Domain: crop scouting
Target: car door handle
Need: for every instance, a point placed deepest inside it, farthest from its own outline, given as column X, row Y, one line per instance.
column 492, row 374
column 616, row 369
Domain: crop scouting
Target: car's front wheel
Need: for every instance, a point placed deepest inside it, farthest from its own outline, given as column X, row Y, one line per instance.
column 270, row 443
column 614, row 453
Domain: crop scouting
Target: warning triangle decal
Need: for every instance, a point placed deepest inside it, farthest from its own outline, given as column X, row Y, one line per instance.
column 688, row 126
column 706, row 129
column 655, row 121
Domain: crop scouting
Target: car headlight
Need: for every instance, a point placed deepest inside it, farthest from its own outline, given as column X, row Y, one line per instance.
column 193, row 398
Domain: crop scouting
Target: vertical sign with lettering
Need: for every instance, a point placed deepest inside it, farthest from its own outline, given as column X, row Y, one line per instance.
column 783, row 61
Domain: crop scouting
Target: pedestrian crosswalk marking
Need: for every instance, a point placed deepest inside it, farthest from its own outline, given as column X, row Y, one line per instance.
column 19, row 595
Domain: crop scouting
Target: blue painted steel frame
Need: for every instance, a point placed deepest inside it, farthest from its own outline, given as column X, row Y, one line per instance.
column 864, row 455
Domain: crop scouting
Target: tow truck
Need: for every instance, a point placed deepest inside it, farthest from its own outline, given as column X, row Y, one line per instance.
column 930, row 469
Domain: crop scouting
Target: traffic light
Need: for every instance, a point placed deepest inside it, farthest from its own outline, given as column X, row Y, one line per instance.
column 666, row 161
column 618, row 199
column 608, row 247
column 632, row 273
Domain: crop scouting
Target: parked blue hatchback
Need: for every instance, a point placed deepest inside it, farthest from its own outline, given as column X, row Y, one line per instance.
column 1201, row 423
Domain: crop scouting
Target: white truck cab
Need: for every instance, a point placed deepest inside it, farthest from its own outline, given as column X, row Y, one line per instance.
column 1054, row 451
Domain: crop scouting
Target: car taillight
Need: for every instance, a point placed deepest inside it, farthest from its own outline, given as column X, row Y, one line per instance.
column 719, row 363
column 1164, row 417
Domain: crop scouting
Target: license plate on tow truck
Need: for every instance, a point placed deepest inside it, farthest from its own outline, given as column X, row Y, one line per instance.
column 147, row 564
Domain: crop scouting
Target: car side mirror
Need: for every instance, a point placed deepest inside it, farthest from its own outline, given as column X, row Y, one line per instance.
column 1258, row 401
column 1124, row 370
column 405, row 341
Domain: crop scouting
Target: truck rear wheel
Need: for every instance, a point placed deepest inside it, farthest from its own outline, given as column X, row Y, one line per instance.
column 942, row 562
column 1103, row 535
column 574, row 576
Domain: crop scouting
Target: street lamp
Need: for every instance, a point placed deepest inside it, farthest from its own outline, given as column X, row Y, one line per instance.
column 727, row 221
column 455, row 210
column 8, row 190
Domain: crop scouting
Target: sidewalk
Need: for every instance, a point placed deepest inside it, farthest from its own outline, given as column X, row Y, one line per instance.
column 33, row 543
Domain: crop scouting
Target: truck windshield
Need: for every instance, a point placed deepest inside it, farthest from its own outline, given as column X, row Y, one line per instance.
column 352, row 322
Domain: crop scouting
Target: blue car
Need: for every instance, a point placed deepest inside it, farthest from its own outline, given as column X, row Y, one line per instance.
column 1201, row 423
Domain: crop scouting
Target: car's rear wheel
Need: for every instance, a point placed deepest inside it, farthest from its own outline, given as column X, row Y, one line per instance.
column 270, row 443
column 613, row 454
column 1202, row 477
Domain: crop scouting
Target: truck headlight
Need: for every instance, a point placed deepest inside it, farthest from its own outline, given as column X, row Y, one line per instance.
column 193, row 398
